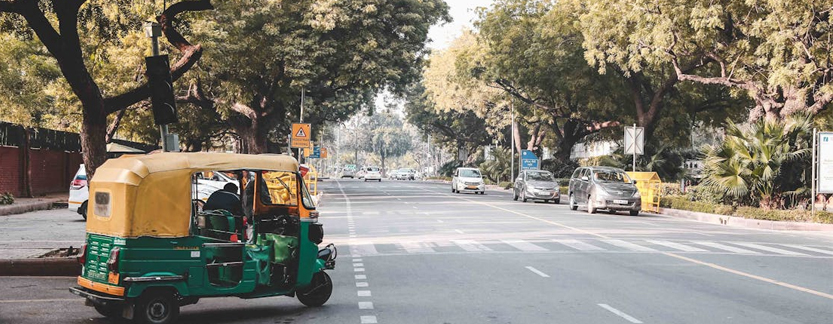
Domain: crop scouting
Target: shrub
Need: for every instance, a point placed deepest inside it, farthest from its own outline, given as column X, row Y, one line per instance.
column 670, row 189
column 793, row 215
column 506, row 184
column 448, row 168
column 683, row 203
column 6, row 198
column 559, row 168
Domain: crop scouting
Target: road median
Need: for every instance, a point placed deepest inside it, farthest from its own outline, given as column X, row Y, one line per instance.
column 65, row 266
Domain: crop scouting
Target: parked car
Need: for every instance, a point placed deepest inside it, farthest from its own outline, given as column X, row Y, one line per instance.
column 372, row 173
column 536, row 185
column 604, row 188
column 468, row 179
column 348, row 171
column 79, row 194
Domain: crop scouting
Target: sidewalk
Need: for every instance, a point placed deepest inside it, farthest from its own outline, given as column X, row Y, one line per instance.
column 25, row 205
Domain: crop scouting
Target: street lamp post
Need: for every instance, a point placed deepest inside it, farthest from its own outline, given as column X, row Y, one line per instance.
column 512, row 149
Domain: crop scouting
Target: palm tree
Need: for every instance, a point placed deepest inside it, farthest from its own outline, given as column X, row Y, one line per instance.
column 749, row 164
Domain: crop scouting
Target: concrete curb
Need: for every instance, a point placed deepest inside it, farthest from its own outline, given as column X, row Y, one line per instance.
column 746, row 222
column 20, row 208
column 40, row 267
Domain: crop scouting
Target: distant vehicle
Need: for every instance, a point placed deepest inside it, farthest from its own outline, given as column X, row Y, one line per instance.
column 79, row 194
column 348, row 171
column 536, row 185
column 409, row 174
column 604, row 188
column 372, row 173
column 468, row 179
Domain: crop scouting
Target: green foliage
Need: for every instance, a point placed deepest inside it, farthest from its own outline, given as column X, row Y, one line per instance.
column 447, row 169
column 684, row 203
column 761, row 163
column 499, row 168
column 6, row 198
column 559, row 168
column 507, row 184
column 785, row 215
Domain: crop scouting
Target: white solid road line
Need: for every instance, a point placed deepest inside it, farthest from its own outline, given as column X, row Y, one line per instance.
column 725, row 247
column 538, row 272
column 471, row 246
column 365, row 305
column 416, row 247
column 629, row 246
column 524, row 246
column 808, row 248
column 439, row 221
column 579, row 245
column 677, row 246
column 620, row 313
column 768, row 249
column 370, row 319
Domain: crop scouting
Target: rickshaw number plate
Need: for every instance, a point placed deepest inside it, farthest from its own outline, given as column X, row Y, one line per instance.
column 195, row 254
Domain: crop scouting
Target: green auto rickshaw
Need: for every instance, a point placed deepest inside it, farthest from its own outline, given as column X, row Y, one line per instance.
column 153, row 246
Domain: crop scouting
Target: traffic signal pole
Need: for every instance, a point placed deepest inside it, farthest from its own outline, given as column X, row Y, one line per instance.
column 154, row 30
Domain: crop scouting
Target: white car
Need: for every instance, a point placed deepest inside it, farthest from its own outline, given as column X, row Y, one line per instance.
column 79, row 193
column 372, row 173
column 468, row 179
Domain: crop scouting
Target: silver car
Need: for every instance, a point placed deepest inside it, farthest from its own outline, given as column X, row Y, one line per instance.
column 604, row 188
column 536, row 185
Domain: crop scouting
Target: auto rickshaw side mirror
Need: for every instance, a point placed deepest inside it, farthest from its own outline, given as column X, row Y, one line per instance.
column 201, row 222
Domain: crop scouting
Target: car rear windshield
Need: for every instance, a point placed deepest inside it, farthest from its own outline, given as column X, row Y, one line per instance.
column 470, row 173
column 372, row 169
column 611, row 176
column 539, row 176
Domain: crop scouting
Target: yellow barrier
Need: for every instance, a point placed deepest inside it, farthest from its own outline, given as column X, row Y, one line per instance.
column 311, row 179
column 649, row 185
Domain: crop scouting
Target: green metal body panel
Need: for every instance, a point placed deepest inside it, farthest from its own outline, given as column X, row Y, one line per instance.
column 150, row 257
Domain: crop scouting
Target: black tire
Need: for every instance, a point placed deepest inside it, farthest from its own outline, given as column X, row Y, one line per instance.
column 634, row 213
column 83, row 210
column 590, row 208
column 572, row 202
column 546, row 201
column 523, row 196
column 556, row 201
column 110, row 311
column 322, row 287
column 156, row 307
column 514, row 195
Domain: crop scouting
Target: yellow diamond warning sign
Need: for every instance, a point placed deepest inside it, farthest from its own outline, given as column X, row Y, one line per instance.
column 300, row 135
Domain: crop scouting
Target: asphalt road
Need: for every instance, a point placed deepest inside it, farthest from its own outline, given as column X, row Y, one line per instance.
column 413, row 252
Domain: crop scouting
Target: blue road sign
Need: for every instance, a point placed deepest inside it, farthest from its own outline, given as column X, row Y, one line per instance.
column 316, row 153
column 529, row 161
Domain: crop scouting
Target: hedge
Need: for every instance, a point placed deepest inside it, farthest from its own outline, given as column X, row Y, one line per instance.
column 683, row 203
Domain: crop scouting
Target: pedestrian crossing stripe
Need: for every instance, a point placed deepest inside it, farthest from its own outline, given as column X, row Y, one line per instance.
column 598, row 245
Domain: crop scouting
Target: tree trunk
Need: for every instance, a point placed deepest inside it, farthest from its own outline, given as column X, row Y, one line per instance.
column 382, row 154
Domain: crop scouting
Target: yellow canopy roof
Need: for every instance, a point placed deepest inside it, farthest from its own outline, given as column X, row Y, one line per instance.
column 150, row 195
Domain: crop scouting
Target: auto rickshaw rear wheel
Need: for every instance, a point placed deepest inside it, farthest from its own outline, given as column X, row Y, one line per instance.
column 319, row 291
column 156, row 306
column 109, row 311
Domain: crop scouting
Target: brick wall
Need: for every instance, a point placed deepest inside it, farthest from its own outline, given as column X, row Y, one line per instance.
column 51, row 171
column 10, row 170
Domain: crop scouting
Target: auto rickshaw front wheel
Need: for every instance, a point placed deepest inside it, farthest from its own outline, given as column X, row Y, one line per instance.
column 319, row 291
column 156, row 306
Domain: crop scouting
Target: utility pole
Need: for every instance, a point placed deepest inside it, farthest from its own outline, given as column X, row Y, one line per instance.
column 301, row 157
column 512, row 149
column 153, row 30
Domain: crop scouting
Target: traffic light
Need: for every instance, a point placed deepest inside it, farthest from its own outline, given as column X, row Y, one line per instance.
column 161, row 90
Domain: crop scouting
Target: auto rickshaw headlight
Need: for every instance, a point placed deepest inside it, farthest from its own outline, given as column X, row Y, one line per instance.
column 113, row 261
column 313, row 214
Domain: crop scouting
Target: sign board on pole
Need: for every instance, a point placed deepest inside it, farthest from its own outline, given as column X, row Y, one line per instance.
column 301, row 135
column 825, row 175
column 315, row 152
column 323, row 152
column 634, row 140
column 529, row 161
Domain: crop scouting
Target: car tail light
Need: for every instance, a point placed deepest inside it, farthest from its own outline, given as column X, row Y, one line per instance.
column 113, row 261
column 78, row 183
column 82, row 254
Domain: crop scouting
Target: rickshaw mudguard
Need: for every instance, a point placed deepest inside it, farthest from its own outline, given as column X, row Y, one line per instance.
column 307, row 265
column 137, row 288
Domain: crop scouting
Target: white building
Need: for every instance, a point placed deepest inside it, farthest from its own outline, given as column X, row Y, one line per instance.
column 592, row 149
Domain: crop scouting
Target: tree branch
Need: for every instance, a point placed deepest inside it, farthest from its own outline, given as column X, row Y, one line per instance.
column 9, row 6
column 190, row 54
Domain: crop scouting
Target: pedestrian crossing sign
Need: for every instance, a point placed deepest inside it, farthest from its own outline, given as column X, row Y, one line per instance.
column 300, row 135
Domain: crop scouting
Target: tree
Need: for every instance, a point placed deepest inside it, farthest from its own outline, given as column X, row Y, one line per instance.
column 341, row 52
column 777, row 52
column 60, row 25
column 761, row 162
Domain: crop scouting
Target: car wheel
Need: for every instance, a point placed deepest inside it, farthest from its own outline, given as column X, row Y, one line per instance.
column 365, row 180
column 514, row 195
column 523, row 196
column 321, row 289
column 546, row 201
column 590, row 208
column 109, row 311
column 156, row 307
column 573, row 205
column 556, row 201
column 380, row 180
column 634, row 213
column 83, row 210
